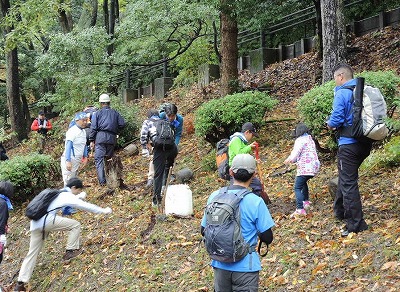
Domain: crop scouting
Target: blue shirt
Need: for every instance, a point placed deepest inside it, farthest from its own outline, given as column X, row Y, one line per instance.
column 255, row 218
column 341, row 114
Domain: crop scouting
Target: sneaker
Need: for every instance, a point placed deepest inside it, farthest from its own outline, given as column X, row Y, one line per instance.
column 149, row 183
column 306, row 205
column 298, row 212
column 20, row 286
column 69, row 254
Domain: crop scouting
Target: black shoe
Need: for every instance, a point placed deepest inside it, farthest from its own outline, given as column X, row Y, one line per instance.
column 20, row 287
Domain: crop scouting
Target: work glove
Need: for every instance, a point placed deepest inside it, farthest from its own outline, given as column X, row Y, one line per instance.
column 107, row 210
column 81, row 195
column 3, row 240
column 145, row 153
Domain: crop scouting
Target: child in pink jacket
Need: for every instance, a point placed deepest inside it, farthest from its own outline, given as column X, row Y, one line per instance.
column 304, row 154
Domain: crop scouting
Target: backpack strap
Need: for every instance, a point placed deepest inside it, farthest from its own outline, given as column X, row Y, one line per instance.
column 345, row 131
column 47, row 214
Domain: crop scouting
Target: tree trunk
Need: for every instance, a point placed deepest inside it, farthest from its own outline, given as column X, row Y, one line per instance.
column 65, row 19
column 334, row 36
column 317, row 5
column 111, row 27
column 106, row 16
column 229, row 49
column 17, row 117
column 88, row 16
column 15, row 109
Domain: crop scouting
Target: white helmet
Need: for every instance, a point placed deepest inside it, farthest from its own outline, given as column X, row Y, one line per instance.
column 104, row 98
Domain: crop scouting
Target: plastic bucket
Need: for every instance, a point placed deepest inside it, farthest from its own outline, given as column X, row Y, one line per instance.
column 178, row 200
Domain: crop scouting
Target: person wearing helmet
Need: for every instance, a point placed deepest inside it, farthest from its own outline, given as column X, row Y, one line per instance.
column 105, row 126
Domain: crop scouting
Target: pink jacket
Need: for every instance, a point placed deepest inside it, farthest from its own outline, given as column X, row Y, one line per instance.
column 305, row 156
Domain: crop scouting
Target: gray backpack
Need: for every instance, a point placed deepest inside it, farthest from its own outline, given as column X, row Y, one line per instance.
column 223, row 233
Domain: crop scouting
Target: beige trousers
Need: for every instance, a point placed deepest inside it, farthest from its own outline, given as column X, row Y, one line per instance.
column 36, row 243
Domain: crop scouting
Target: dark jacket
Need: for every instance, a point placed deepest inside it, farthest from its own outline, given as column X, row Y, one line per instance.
column 106, row 124
column 3, row 216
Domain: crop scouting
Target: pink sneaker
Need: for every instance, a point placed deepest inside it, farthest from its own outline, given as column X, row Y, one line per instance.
column 298, row 212
column 306, row 205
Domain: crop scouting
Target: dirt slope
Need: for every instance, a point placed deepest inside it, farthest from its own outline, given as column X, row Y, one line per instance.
column 134, row 250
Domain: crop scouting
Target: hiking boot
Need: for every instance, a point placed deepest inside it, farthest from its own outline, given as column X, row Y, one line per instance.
column 69, row 254
column 298, row 213
column 149, row 183
column 20, row 286
column 306, row 205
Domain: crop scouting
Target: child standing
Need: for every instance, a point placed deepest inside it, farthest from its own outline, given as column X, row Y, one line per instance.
column 304, row 154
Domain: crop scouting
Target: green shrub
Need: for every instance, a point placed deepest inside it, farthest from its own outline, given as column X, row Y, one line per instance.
column 130, row 114
column 30, row 174
column 315, row 106
column 219, row 118
column 387, row 157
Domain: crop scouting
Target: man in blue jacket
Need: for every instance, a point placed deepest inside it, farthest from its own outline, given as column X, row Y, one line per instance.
column 105, row 126
column 347, row 205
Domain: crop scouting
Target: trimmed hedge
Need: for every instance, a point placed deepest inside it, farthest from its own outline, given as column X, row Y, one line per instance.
column 219, row 118
column 30, row 174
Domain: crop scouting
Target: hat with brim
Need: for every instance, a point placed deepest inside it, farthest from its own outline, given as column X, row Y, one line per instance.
column 243, row 161
column 249, row 127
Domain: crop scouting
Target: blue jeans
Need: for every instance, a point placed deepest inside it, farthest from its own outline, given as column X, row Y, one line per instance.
column 301, row 190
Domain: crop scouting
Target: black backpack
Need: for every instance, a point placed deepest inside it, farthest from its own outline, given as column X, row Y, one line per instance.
column 165, row 135
column 37, row 208
column 223, row 232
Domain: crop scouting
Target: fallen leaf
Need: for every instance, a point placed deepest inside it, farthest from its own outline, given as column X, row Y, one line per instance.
column 389, row 265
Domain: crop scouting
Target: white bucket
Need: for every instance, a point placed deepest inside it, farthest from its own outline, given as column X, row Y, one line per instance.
column 178, row 200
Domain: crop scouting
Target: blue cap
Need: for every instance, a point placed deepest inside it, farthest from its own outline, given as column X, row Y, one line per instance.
column 80, row 116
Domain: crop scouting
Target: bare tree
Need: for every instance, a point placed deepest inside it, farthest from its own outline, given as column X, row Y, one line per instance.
column 333, row 36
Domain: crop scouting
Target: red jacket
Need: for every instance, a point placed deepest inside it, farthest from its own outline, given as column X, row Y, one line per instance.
column 45, row 123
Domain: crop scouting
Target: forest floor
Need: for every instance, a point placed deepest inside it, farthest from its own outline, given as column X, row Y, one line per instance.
column 137, row 249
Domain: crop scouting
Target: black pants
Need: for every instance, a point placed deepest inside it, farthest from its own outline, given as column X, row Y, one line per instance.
column 162, row 160
column 347, row 204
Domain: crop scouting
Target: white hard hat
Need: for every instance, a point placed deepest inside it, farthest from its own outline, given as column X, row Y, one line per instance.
column 104, row 98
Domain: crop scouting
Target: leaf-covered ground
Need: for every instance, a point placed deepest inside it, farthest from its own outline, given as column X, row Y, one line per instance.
column 136, row 249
